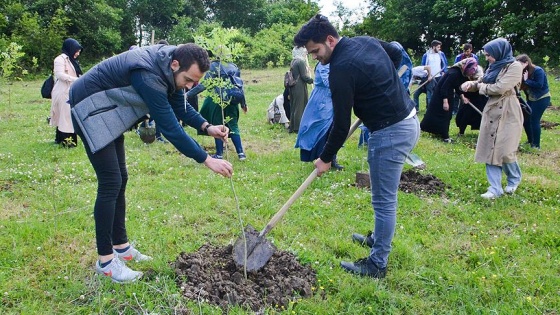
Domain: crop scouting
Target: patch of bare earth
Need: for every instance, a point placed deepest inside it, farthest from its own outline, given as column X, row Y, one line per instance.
column 548, row 124
column 210, row 275
column 417, row 183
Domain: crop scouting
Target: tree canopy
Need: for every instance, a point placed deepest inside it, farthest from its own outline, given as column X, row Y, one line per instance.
column 266, row 27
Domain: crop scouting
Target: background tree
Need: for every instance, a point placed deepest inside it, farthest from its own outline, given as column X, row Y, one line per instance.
column 267, row 27
column 289, row 12
column 244, row 14
column 159, row 16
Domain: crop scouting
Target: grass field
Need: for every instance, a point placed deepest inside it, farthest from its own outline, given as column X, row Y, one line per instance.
column 452, row 254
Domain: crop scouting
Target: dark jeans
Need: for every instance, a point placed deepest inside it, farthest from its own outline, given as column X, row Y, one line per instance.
column 430, row 87
column 416, row 94
column 235, row 138
column 110, row 205
column 532, row 124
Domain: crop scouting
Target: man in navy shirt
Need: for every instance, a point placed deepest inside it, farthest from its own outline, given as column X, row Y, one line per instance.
column 107, row 101
column 363, row 77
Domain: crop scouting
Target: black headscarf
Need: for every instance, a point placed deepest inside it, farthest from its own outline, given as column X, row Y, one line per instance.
column 70, row 47
column 500, row 49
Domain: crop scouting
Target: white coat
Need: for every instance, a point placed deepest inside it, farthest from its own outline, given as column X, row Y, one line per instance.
column 64, row 76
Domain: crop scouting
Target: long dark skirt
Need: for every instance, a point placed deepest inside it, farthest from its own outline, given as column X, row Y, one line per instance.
column 467, row 116
column 436, row 120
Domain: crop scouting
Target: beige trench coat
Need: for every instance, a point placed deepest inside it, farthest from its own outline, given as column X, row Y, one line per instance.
column 64, row 75
column 502, row 119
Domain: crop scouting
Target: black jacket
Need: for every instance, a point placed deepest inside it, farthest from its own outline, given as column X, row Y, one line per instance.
column 363, row 77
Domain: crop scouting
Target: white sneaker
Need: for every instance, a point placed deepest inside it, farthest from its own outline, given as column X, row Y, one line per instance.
column 489, row 195
column 510, row 189
column 132, row 254
column 118, row 271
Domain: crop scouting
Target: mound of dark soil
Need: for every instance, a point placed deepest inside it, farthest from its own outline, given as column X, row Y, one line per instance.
column 417, row 183
column 210, row 275
column 548, row 124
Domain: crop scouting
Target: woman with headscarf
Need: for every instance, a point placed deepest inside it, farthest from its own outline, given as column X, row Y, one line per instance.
column 502, row 118
column 298, row 93
column 66, row 70
column 439, row 114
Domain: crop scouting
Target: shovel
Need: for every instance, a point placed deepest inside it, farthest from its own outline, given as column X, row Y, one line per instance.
column 414, row 160
column 253, row 250
column 474, row 107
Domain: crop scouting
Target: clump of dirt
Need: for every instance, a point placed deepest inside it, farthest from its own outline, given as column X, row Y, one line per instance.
column 211, row 275
column 414, row 182
column 548, row 124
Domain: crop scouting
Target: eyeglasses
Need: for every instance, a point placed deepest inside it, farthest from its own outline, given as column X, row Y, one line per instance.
column 487, row 54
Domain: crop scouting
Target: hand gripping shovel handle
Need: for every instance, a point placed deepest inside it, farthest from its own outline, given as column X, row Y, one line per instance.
column 272, row 223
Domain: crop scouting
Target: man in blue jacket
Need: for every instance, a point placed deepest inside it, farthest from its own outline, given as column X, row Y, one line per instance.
column 435, row 58
column 106, row 102
column 363, row 77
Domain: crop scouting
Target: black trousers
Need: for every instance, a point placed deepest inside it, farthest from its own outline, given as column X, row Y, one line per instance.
column 66, row 139
column 110, row 204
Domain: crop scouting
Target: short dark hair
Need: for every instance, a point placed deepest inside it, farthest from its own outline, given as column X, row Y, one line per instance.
column 162, row 42
column 435, row 42
column 188, row 54
column 316, row 29
column 467, row 46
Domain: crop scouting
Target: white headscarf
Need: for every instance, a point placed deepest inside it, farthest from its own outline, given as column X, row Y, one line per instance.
column 301, row 53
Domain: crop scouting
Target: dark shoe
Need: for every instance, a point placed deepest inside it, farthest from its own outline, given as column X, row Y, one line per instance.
column 217, row 156
column 336, row 166
column 364, row 240
column 365, row 268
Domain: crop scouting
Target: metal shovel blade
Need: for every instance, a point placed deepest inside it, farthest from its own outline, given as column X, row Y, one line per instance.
column 253, row 250
column 414, row 160
column 256, row 254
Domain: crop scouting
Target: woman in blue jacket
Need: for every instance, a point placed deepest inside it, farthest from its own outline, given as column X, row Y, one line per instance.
column 317, row 119
column 535, row 85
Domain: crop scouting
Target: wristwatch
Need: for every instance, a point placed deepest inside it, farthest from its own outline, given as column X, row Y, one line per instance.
column 205, row 130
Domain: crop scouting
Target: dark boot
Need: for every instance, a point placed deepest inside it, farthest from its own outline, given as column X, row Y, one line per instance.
column 336, row 166
column 365, row 268
column 364, row 240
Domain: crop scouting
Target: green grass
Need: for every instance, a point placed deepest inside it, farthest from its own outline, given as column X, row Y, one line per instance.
column 452, row 254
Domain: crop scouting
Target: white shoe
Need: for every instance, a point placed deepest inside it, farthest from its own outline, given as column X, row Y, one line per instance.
column 489, row 195
column 118, row 271
column 132, row 254
column 510, row 189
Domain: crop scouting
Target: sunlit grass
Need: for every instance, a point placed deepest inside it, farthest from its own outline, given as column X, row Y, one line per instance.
column 452, row 254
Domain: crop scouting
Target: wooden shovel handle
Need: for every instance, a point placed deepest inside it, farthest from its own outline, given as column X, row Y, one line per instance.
column 474, row 107
column 272, row 223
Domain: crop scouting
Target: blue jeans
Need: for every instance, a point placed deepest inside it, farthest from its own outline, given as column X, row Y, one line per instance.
column 494, row 175
column 430, row 87
column 387, row 151
column 416, row 96
column 532, row 125
column 235, row 138
column 364, row 135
